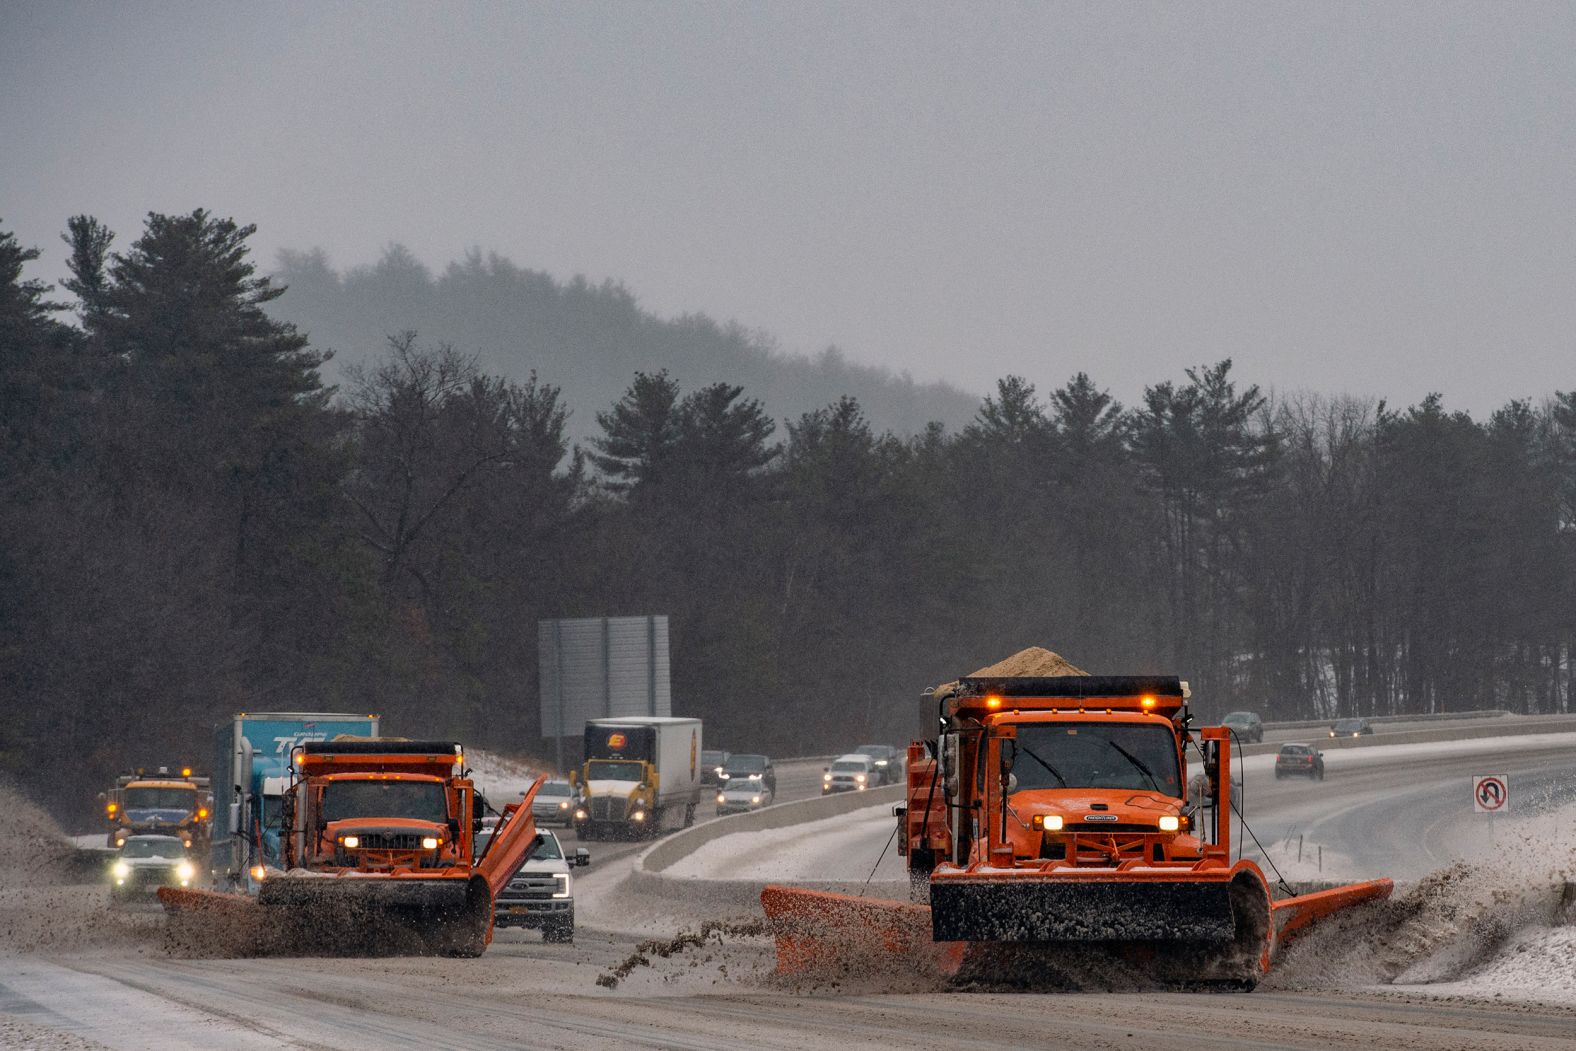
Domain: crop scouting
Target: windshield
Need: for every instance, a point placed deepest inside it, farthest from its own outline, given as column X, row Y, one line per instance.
column 160, row 799
column 547, row 849
column 613, row 770
column 417, row 800
column 877, row 751
column 153, row 848
column 1097, row 755
column 713, row 758
column 1349, row 724
column 848, row 766
column 554, row 788
column 1238, row 717
column 747, row 764
column 1295, row 749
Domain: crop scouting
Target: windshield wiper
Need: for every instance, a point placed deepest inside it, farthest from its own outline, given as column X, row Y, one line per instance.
column 1048, row 767
column 1137, row 763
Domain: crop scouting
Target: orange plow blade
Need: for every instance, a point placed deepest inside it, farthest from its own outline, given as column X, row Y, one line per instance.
column 822, row 933
column 210, row 923
column 1291, row 916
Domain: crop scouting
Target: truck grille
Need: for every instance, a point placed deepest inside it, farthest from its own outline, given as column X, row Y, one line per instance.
column 538, row 887
column 606, row 808
column 390, row 840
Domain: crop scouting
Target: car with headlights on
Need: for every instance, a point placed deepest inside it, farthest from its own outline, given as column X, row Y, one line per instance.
column 146, row 863
column 1299, row 760
column 888, row 761
column 554, row 804
column 1351, row 728
column 541, row 895
column 853, row 772
column 713, row 761
column 736, row 797
column 754, row 770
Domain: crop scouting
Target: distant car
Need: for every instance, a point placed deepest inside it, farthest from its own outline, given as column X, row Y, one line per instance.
column 1351, row 728
column 541, row 895
column 1248, row 726
column 712, row 763
column 739, row 796
column 146, row 863
column 1299, row 760
column 554, row 804
column 888, row 760
column 748, row 769
column 854, row 772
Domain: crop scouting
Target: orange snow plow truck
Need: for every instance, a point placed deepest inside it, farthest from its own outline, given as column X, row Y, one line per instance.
column 1050, row 826
column 377, row 846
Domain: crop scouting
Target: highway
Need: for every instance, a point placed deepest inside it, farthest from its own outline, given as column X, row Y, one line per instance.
column 1403, row 811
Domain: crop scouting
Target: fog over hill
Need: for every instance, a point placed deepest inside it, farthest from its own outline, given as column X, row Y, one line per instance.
column 589, row 339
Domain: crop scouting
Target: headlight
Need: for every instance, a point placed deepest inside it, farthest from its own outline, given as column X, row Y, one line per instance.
column 755, row 799
column 860, row 778
column 723, row 775
column 1047, row 822
column 755, row 777
column 350, row 842
column 721, row 799
column 121, row 869
column 563, row 804
column 881, row 762
column 429, row 842
column 580, row 815
column 1169, row 823
column 185, row 870
column 826, row 777
column 259, row 873
column 639, row 815
column 562, row 890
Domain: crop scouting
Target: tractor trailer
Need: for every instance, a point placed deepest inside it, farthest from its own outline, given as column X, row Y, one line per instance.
column 641, row 775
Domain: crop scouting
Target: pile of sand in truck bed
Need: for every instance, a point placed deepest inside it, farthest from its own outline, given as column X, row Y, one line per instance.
column 1035, row 662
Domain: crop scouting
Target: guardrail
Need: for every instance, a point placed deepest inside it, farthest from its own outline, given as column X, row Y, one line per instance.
column 1527, row 724
column 649, row 876
column 1303, row 724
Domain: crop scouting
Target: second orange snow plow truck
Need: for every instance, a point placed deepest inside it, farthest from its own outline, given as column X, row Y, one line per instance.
column 1051, row 817
column 377, row 854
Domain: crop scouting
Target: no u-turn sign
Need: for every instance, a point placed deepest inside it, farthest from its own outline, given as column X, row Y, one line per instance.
column 1490, row 794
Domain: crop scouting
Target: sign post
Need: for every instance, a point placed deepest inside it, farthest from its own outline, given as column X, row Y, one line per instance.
column 1490, row 795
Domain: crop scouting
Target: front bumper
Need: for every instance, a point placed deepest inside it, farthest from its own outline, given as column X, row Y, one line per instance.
column 533, row 912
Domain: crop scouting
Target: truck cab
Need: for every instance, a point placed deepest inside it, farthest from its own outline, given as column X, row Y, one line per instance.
column 161, row 804
column 641, row 774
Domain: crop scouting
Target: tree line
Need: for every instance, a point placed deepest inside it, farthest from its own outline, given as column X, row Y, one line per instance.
column 193, row 524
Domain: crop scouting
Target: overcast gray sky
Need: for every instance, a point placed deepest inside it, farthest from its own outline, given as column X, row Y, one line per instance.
column 1366, row 198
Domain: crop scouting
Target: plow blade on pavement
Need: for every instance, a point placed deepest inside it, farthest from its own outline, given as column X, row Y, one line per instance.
column 325, row 916
column 1064, row 932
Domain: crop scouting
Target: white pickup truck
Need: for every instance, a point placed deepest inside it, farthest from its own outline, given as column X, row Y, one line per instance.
column 542, row 894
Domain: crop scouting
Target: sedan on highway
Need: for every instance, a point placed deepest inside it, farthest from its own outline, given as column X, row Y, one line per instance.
column 1247, row 725
column 713, row 761
column 1351, row 728
column 849, row 773
column 738, row 796
column 888, row 760
column 1299, row 760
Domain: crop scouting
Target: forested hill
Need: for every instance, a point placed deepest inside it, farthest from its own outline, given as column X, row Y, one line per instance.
column 587, row 339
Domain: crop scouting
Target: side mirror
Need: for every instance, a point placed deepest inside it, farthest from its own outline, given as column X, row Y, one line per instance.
column 582, row 857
